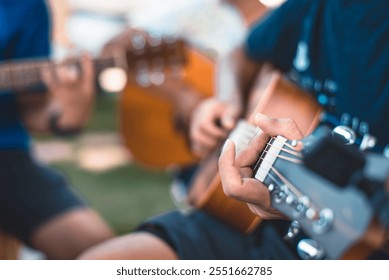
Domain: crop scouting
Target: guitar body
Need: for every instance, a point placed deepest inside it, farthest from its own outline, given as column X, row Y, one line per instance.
column 272, row 96
column 9, row 247
column 148, row 116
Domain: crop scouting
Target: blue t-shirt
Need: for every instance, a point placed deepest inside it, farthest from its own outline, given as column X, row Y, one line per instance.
column 336, row 49
column 24, row 33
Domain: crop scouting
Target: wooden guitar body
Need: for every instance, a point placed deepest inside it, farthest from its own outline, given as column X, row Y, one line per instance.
column 153, row 120
column 274, row 96
column 9, row 247
column 149, row 115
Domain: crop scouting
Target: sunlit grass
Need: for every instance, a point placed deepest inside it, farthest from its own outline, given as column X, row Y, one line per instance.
column 124, row 196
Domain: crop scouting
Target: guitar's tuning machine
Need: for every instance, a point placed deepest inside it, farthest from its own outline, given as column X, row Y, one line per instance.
column 293, row 230
column 346, row 134
column 368, row 142
column 352, row 128
column 309, row 249
column 324, row 221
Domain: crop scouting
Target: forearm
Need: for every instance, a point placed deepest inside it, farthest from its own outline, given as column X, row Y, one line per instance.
column 35, row 113
column 235, row 74
column 250, row 10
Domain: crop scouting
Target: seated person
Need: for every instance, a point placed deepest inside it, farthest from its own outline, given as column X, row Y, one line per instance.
column 37, row 205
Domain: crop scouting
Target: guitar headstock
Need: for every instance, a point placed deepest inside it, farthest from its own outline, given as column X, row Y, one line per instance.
column 334, row 213
column 147, row 58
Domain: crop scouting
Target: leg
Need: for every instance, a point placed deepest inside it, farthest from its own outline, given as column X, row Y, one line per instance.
column 38, row 206
column 68, row 235
column 135, row 246
column 175, row 235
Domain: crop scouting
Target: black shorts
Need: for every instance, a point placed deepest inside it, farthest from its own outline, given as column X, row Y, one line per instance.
column 199, row 236
column 31, row 194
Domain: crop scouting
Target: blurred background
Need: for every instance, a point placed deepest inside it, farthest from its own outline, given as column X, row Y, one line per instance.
column 99, row 164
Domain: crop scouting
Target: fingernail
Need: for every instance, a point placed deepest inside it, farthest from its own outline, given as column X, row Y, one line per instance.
column 259, row 117
column 227, row 144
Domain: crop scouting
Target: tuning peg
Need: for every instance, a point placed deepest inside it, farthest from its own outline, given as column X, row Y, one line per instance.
column 363, row 128
column 138, row 41
column 309, row 249
column 368, row 142
column 344, row 133
column 324, row 222
column 386, row 151
column 154, row 40
column 142, row 74
column 345, row 119
column 293, row 230
column 157, row 78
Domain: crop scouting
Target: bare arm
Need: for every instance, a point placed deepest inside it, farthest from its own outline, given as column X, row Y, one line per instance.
column 70, row 95
column 215, row 117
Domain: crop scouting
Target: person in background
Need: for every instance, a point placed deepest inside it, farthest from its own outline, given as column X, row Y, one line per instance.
column 37, row 204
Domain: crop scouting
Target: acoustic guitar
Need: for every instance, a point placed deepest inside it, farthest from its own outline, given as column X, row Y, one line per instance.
column 332, row 190
column 140, row 54
column 271, row 95
column 339, row 219
column 154, row 119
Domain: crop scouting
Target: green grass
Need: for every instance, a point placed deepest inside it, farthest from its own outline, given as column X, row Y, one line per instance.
column 104, row 118
column 124, row 196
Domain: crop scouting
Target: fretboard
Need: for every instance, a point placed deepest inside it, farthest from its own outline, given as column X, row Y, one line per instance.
column 23, row 75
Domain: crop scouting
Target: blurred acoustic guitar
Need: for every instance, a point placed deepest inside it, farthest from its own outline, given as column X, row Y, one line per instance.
column 154, row 118
column 141, row 51
column 274, row 96
column 337, row 234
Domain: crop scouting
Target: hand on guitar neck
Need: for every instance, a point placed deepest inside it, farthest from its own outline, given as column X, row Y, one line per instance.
column 236, row 171
column 212, row 121
column 70, row 99
column 316, row 182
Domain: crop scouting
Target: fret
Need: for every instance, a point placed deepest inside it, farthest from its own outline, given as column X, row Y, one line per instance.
column 4, row 76
column 23, row 75
column 19, row 76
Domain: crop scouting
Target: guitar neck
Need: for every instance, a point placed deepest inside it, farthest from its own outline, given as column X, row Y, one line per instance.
column 21, row 76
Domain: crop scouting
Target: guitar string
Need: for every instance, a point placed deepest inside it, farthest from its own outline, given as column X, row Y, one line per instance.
column 28, row 77
column 292, row 150
column 286, row 183
column 289, row 184
column 48, row 63
column 291, row 159
column 292, row 187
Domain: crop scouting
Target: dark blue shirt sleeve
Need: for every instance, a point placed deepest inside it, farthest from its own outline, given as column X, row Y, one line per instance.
column 34, row 36
column 274, row 38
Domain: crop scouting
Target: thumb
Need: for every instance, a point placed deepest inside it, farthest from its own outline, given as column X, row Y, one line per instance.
column 229, row 117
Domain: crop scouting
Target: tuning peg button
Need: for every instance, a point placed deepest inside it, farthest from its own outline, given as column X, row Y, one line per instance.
column 309, row 249
column 324, row 221
column 344, row 133
column 293, row 230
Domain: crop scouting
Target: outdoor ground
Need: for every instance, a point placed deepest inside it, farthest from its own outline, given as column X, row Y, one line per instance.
column 102, row 171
